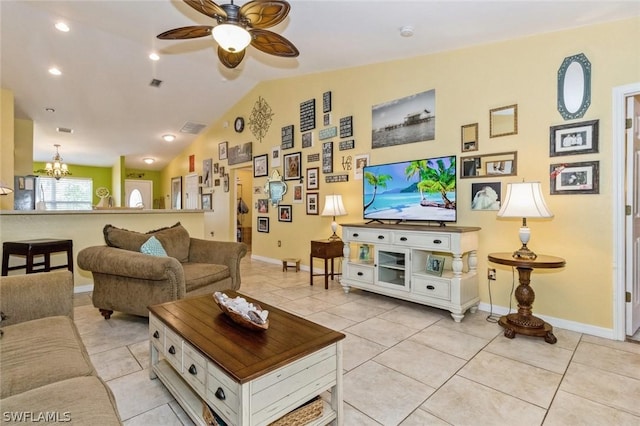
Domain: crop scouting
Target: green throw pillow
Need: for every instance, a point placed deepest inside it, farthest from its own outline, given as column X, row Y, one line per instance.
column 153, row 247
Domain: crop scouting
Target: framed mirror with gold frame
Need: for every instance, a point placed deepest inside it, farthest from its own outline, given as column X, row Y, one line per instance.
column 469, row 137
column 503, row 121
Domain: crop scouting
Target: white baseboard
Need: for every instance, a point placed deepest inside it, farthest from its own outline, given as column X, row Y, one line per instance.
column 83, row 289
column 578, row 327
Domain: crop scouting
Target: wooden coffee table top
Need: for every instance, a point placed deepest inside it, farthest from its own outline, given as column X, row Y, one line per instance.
column 242, row 353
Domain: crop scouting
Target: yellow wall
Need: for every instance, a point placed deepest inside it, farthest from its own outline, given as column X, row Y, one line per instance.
column 6, row 146
column 468, row 84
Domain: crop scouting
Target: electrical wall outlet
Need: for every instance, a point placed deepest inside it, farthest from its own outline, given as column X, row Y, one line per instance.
column 491, row 274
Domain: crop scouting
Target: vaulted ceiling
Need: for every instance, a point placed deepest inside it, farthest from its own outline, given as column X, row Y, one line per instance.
column 104, row 93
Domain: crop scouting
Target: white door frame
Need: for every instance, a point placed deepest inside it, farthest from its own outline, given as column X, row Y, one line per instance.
column 620, row 94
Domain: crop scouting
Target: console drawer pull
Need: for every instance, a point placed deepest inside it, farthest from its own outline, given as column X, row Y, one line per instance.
column 172, row 350
column 430, row 287
column 437, row 241
column 360, row 274
column 193, row 370
column 403, row 238
column 220, row 394
column 156, row 335
column 356, row 235
column 381, row 237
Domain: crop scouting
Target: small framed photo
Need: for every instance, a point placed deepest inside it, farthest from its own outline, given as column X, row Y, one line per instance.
column 297, row 193
column 216, row 182
column 486, row 196
column 275, row 156
column 469, row 137
column 216, row 168
column 284, row 213
column 575, row 178
column 312, row 203
column 360, row 162
column 263, row 205
column 292, row 166
column 263, row 224
column 435, row 265
column 500, row 167
column 206, row 201
column 222, row 150
column 574, row 138
column 260, row 165
column 313, row 181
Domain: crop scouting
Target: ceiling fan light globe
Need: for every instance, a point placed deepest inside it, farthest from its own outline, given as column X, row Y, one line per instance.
column 231, row 38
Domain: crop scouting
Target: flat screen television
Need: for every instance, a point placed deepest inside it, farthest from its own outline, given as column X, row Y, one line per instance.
column 417, row 190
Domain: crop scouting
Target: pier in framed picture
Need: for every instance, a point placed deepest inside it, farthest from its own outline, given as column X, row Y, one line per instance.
column 575, row 178
column 574, row 138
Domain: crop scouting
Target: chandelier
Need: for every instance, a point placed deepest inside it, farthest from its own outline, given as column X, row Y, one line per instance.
column 57, row 169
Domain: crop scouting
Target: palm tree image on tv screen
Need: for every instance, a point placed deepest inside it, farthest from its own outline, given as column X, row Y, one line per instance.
column 419, row 190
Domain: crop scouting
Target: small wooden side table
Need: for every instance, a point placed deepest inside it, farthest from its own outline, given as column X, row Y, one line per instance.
column 524, row 322
column 29, row 249
column 327, row 250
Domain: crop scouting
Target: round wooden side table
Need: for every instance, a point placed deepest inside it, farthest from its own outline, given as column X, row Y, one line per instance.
column 524, row 322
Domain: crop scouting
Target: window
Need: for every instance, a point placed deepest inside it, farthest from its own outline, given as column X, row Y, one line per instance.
column 135, row 199
column 66, row 193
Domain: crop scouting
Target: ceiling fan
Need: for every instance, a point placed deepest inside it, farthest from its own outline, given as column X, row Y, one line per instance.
column 239, row 26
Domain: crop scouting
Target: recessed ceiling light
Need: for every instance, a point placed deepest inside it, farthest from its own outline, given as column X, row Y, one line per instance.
column 154, row 56
column 148, row 160
column 61, row 26
column 55, row 71
column 169, row 138
column 406, row 31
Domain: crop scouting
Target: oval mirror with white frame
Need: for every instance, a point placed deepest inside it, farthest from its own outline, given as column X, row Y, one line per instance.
column 574, row 86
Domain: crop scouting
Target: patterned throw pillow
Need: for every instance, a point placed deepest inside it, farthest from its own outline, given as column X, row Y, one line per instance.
column 153, row 247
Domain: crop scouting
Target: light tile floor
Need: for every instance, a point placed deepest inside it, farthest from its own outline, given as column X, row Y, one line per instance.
column 404, row 364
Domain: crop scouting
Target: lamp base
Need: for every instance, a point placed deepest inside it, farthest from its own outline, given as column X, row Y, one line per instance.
column 334, row 237
column 524, row 253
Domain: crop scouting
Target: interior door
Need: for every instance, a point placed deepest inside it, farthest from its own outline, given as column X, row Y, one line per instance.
column 633, row 219
column 138, row 193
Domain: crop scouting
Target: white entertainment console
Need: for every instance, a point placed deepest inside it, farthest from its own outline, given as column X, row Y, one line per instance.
column 392, row 260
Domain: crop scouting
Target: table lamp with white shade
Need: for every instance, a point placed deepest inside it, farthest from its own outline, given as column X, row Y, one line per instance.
column 333, row 206
column 525, row 200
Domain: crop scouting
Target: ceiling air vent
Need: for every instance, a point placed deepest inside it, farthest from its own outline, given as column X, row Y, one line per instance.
column 64, row 130
column 192, row 128
column 155, row 82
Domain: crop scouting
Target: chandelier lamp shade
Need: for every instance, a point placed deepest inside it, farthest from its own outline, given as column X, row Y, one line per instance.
column 525, row 200
column 333, row 206
column 232, row 38
column 58, row 168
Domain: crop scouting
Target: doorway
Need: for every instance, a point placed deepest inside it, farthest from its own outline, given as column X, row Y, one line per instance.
column 244, row 203
column 138, row 193
column 626, row 210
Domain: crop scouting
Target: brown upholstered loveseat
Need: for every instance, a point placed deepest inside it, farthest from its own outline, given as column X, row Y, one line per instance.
column 127, row 280
column 46, row 375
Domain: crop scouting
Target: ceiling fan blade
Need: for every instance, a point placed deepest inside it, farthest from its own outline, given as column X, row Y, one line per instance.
column 207, row 7
column 229, row 59
column 273, row 44
column 265, row 14
column 186, row 32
